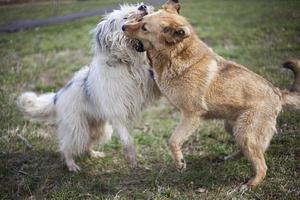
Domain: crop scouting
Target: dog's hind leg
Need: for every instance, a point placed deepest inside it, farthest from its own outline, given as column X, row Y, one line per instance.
column 189, row 123
column 73, row 140
column 127, row 142
column 253, row 132
column 72, row 166
column 100, row 132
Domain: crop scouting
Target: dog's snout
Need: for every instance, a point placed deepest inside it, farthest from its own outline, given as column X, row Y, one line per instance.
column 123, row 27
column 142, row 8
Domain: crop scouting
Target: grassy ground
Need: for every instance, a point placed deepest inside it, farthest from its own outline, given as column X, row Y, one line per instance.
column 259, row 34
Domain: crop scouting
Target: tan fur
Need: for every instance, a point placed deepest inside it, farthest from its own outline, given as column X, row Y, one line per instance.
column 203, row 85
column 294, row 65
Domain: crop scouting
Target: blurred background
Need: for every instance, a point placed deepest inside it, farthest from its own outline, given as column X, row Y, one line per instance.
column 42, row 43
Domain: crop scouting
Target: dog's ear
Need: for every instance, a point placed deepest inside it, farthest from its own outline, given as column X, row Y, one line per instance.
column 131, row 26
column 173, row 35
column 172, row 6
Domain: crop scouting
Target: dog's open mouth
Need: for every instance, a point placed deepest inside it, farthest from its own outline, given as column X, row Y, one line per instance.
column 138, row 45
column 142, row 14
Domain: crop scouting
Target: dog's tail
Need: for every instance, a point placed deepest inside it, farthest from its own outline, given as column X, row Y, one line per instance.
column 291, row 97
column 38, row 108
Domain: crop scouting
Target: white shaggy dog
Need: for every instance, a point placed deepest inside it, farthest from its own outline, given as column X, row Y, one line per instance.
column 112, row 90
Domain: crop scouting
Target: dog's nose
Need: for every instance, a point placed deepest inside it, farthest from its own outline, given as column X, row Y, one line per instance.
column 123, row 27
column 142, row 8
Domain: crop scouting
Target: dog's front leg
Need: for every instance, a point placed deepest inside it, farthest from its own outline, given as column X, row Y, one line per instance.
column 189, row 123
column 127, row 142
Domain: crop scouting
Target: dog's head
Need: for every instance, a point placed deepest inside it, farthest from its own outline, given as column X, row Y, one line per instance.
column 159, row 30
column 108, row 33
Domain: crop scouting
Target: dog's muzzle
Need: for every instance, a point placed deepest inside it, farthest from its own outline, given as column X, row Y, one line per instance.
column 143, row 9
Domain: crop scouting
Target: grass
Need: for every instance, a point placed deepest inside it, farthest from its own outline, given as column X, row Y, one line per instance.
column 258, row 34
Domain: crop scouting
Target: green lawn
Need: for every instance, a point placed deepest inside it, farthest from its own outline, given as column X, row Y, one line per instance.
column 259, row 34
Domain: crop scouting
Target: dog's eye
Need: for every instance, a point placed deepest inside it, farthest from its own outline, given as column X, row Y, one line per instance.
column 125, row 18
column 144, row 27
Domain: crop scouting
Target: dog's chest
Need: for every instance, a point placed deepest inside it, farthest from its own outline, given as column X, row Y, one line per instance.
column 183, row 93
column 188, row 89
column 118, row 91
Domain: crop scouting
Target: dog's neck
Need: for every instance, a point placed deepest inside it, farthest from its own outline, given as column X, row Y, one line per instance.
column 180, row 56
column 122, row 55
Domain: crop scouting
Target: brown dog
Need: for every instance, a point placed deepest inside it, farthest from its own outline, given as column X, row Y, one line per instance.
column 202, row 84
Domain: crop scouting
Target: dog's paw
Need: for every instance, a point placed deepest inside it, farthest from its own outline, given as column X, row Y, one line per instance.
column 243, row 188
column 181, row 165
column 96, row 154
column 132, row 160
column 73, row 167
column 130, row 156
column 133, row 163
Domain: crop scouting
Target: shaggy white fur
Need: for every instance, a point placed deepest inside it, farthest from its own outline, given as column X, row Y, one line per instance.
column 112, row 90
